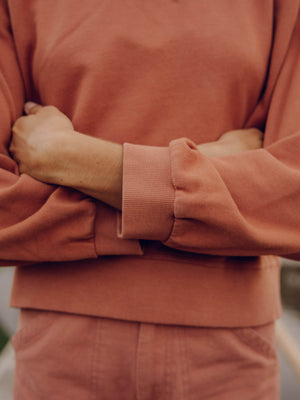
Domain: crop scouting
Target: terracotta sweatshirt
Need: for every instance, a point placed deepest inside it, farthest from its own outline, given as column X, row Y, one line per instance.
column 197, row 239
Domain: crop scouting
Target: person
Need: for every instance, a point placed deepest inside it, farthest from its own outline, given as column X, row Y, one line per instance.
column 142, row 213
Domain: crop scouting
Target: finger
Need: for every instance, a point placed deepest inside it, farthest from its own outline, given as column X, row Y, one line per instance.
column 13, row 153
column 32, row 108
column 18, row 124
column 11, row 149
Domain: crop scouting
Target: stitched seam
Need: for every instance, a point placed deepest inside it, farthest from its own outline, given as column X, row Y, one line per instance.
column 184, row 364
column 94, row 379
column 255, row 341
column 139, row 390
column 175, row 192
column 18, row 340
column 167, row 362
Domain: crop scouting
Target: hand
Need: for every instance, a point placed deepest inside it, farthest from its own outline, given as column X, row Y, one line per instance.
column 46, row 147
column 37, row 139
column 233, row 142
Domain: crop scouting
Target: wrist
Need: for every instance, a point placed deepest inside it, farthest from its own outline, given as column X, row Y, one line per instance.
column 94, row 166
column 212, row 149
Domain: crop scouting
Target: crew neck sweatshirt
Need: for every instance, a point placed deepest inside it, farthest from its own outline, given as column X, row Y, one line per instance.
column 198, row 239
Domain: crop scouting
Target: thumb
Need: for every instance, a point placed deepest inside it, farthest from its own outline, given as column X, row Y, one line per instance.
column 32, row 108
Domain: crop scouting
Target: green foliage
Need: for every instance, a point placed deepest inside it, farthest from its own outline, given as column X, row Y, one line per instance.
column 3, row 338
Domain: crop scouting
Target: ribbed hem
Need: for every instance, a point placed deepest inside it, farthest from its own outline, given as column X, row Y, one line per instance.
column 148, row 193
column 155, row 290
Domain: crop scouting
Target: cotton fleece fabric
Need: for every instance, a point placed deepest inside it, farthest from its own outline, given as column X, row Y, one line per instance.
column 197, row 240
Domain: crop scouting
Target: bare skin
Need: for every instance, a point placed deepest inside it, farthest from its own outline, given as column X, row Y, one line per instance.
column 46, row 147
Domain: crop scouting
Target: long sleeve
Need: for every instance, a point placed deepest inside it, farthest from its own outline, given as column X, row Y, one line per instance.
column 40, row 222
column 242, row 205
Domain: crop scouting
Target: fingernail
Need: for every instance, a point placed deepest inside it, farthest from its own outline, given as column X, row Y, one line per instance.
column 28, row 105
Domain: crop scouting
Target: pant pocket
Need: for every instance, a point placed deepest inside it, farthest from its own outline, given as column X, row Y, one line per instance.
column 31, row 324
column 260, row 339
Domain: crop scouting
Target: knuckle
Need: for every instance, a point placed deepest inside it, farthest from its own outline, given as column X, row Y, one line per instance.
column 23, row 124
column 19, row 122
column 50, row 109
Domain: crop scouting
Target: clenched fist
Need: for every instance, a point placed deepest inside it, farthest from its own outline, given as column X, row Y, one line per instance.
column 37, row 139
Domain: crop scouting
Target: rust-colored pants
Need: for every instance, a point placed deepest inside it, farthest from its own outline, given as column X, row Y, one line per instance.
column 70, row 357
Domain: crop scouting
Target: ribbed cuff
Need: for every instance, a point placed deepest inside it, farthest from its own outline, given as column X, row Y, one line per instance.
column 148, row 193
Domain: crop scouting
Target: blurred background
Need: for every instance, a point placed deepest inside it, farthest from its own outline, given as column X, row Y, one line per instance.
column 288, row 332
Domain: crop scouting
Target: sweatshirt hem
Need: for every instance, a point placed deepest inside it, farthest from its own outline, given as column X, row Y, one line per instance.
column 134, row 289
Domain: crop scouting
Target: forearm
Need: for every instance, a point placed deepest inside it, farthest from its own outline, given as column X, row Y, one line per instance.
column 47, row 148
column 95, row 169
column 92, row 166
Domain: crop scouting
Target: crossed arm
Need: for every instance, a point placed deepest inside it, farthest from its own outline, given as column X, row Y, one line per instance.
column 46, row 147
